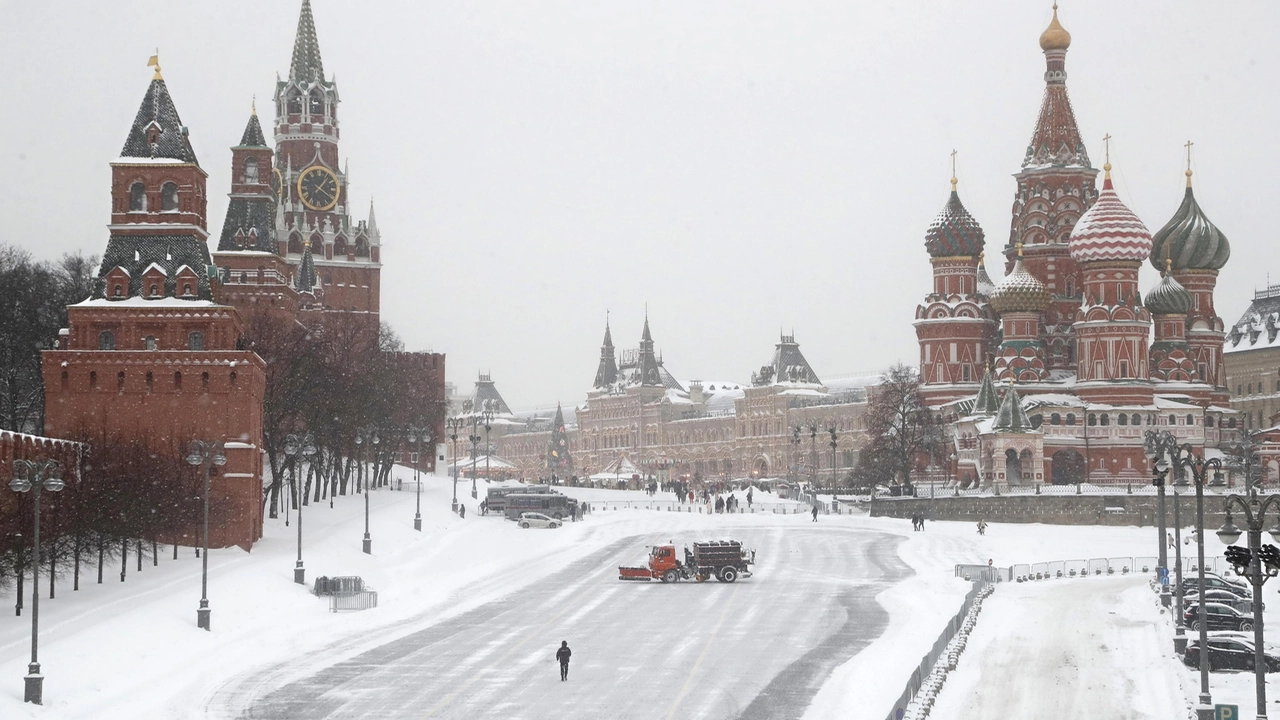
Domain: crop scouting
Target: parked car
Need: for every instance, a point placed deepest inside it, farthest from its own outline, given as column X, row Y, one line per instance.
column 538, row 520
column 1218, row 616
column 1215, row 582
column 1230, row 653
column 1226, row 597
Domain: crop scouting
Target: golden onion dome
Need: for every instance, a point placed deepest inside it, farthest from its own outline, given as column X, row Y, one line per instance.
column 1020, row 291
column 1055, row 37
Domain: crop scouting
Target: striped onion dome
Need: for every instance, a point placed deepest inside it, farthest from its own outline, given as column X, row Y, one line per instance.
column 1168, row 297
column 954, row 232
column 1020, row 291
column 1109, row 230
column 1190, row 240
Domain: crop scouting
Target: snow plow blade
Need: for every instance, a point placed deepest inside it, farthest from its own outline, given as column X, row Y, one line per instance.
column 641, row 574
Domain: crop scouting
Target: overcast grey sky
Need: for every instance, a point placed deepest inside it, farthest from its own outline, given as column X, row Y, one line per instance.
column 740, row 166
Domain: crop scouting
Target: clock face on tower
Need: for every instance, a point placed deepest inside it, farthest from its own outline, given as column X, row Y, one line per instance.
column 318, row 188
column 277, row 184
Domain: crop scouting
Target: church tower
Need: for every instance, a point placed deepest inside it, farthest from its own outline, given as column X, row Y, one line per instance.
column 1194, row 250
column 1109, row 244
column 954, row 325
column 313, row 185
column 1055, row 186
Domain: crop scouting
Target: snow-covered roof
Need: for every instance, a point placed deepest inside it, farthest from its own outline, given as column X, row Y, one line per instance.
column 141, row 302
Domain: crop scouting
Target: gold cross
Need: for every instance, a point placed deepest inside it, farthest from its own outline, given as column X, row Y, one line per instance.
column 953, row 169
column 1107, row 142
column 1188, row 147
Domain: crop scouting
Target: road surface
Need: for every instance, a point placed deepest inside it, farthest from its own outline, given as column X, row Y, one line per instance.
column 754, row 650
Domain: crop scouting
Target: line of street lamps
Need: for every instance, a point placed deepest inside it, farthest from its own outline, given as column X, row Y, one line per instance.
column 206, row 455
column 306, row 448
column 35, row 476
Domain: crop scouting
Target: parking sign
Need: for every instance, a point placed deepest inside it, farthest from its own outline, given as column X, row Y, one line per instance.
column 1226, row 712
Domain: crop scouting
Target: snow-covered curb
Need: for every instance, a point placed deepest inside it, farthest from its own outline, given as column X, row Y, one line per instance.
column 922, row 703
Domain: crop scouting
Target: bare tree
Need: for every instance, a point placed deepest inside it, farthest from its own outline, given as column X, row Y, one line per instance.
column 901, row 428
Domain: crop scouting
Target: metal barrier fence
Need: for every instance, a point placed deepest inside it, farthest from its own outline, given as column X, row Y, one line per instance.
column 935, row 653
column 1023, row 572
column 701, row 508
column 362, row 600
column 1138, row 487
column 343, row 585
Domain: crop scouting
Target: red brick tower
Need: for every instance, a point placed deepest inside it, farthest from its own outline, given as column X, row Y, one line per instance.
column 313, row 186
column 954, row 326
column 1109, row 244
column 1055, row 187
column 1196, row 250
column 253, row 276
column 150, row 357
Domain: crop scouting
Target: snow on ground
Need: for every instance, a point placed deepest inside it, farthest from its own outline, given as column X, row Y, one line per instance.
column 130, row 650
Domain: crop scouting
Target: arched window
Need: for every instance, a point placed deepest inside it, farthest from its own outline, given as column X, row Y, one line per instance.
column 1093, row 419
column 1173, row 420
column 204, row 382
column 233, row 377
column 117, row 291
column 362, row 247
column 186, row 289
column 155, row 290
column 295, row 102
column 151, row 381
column 137, row 197
column 1037, row 421
column 106, row 340
column 93, row 380
column 1191, row 420
column 149, row 342
column 120, row 381
column 340, row 246
column 317, row 105
column 1071, row 418
column 1055, row 419
column 1123, row 420
column 1208, row 421
column 169, row 197
column 1136, row 419
column 295, row 244
column 1106, row 419
column 177, row 380
column 250, row 171
column 195, row 341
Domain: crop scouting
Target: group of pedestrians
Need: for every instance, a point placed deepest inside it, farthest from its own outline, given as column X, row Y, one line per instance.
column 917, row 522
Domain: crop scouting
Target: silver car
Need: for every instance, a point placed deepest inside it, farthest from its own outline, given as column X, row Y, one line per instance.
column 533, row 519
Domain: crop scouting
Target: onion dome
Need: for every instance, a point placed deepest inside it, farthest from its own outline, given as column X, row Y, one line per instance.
column 954, row 232
column 1109, row 230
column 985, row 286
column 1189, row 239
column 1168, row 297
column 1055, row 37
column 1020, row 291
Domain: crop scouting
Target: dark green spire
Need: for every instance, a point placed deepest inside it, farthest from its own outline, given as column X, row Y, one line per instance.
column 306, row 64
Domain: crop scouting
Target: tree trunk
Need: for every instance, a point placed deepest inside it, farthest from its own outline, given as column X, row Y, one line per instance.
column 75, row 575
column 102, row 554
column 124, row 558
column 155, row 554
column 139, row 548
column 53, row 567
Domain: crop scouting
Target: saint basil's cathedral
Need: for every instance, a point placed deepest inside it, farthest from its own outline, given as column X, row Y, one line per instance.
column 1051, row 375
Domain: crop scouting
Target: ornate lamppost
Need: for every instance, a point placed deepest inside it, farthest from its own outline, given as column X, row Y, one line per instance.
column 1184, row 458
column 487, row 417
column 367, row 544
column 455, row 424
column 1249, row 563
column 1179, row 634
column 1156, row 445
column 205, row 454
column 417, row 436
column 35, row 476
column 832, row 443
column 293, row 447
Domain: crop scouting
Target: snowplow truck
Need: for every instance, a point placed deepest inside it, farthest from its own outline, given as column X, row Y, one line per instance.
column 725, row 560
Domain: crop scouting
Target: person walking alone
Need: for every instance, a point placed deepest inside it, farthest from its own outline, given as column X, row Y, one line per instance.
column 982, row 527
column 815, row 512
column 563, row 656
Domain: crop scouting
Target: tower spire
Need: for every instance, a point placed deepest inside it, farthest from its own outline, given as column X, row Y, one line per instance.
column 1188, row 147
column 953, row 170
column 306, row 64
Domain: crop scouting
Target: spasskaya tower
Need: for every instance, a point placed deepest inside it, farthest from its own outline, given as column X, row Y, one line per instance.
column 314, row 211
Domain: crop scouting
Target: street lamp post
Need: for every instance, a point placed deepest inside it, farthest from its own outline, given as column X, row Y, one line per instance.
column 1249, row 563
column 205, row 454
column 1155, row 445
column 1183, row 457
column 367, row 543
column 35, row 476
column 293, row 447
column 455, row 424
column 417, row 436
column 813, row 455
column 487, row 417
column 1179, row 635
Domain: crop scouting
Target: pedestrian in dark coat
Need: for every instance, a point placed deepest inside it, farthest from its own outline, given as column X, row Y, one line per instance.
column 815, row 512
column 462, row 510
column 563, row 656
